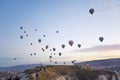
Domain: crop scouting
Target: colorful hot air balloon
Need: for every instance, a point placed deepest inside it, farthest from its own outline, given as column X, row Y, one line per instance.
column 91, row 11
column 39, row 40
column 21, row 37
column 71, row 42
column 63, row 46
column 79, row 45
column 101, row 39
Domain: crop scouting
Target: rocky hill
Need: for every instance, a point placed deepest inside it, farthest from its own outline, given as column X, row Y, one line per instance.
column 102, row 63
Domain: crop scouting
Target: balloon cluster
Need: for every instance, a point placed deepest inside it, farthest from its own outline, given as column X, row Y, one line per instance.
column 70, row 42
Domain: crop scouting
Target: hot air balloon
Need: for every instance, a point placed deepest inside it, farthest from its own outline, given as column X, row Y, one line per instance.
column 57, row 31
column 56, row 62
column 54, row 49
column 50, row 57
column 43, row 49
column 31, row 44
column 72, row 62
column 21, row 37
column 39, row 40
column 35, row 29
column 50, row 49
column 14, row 58
column 79, row 45
column 34, row 53
column 101, row 39
column 63, row 46
column 71, row 42
column 26, row 35
column 46, row 47
column 50, row 60
column 21, row 27
column 60, row 53
column 44, row 35
column 91, row 11
column 24, row 31
column 31, row 54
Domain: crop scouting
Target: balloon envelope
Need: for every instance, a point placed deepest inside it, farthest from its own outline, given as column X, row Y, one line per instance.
column 21, row 37
column 60, row 53
column 39, row 40
column 91, row 11
column 21, row 27
column 79, row 45
column 42, row 49
column 63, row 46
column 46, row 47
column 24, row 31
column 71, row 42
column 50, row 56
column 35, row 29
column 44, row 35
column 54, row 49
column 57, row 31
column 101, row 39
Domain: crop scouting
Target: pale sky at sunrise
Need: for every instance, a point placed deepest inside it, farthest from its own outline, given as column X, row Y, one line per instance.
column 73, row 21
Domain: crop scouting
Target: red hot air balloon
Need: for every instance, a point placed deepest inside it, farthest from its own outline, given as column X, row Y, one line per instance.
column 101, row 39
column 63, row 46
column 71, row 42
column 91, row 11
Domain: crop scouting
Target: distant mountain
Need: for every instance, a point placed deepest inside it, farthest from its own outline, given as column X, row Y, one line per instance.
column 101, row 63
column 19, row 67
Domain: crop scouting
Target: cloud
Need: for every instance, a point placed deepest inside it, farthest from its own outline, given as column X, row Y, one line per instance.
column 101, row 48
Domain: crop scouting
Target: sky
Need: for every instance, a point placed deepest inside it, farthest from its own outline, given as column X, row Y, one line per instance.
column 73, row 21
